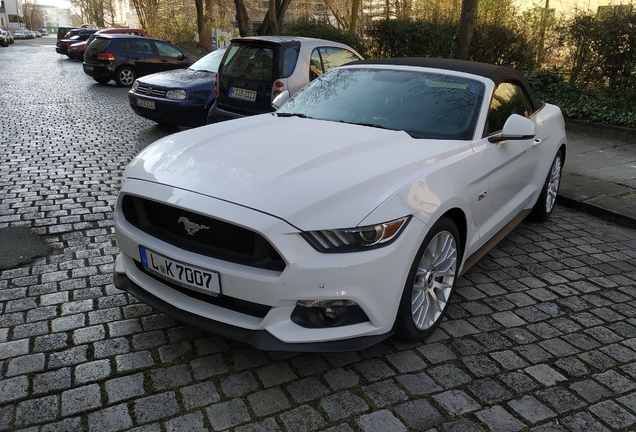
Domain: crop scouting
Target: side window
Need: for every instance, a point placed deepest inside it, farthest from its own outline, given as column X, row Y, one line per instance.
column 333, row 57
column 290, row 57
column 315, row 65
column 167, row 50
column 507, row 99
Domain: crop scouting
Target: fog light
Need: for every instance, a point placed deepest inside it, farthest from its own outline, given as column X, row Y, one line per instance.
column 330, row 315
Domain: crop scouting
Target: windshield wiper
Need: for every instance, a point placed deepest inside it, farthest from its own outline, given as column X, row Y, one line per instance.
column 292, row 115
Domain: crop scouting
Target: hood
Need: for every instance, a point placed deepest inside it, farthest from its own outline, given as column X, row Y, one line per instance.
column 313, row 174
column 178, row 78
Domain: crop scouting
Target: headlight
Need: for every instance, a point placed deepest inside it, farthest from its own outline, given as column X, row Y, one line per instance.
column 355, row 239
column 135, row 86
column 176, row 94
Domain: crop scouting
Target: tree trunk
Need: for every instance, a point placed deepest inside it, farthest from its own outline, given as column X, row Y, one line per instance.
column 354, row 17
column 466, row 27
column 242, row 18
column 273, row 23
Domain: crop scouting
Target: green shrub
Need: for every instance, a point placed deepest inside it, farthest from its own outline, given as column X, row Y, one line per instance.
column 578, row 104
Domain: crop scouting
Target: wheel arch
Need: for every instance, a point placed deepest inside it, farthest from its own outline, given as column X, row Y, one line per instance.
column 458, row 217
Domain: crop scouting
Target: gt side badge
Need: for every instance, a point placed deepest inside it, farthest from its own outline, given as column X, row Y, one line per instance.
column 482, row 195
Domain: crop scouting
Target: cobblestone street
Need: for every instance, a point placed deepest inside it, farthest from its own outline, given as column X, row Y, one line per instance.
column 541, row 335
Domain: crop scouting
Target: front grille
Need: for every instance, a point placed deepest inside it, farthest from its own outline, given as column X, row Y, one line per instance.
column 214, row 238
column 149, row 91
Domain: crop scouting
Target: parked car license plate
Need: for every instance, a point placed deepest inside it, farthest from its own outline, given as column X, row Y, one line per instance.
column 146, row 103
column 240, row 93
column 183, row 274
column 88, row 68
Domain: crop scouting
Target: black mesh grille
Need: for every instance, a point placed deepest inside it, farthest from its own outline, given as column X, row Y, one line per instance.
column 214, row 238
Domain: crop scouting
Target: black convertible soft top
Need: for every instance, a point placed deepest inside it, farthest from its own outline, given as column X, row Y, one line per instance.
column 495, row 73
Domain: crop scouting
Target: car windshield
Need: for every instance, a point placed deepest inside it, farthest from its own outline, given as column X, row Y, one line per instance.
column 423, row 104
column 210, row 62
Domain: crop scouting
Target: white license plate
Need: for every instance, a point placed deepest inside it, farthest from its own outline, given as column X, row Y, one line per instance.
column 240, row 93
column 183, row 274
column 146, row 103
column 88, row 68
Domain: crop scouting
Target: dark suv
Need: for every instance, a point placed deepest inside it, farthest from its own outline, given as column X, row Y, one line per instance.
column 123, row 58
column 254, row 70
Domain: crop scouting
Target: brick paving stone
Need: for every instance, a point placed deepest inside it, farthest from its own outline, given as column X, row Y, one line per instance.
column 309, row 364
column 174, row 376
column 448, row 376
column 615, row 381
column 89, row 334
column 342, row 404
column 67, row 425
column 306, row 390
column 560, row 399
column 48, row 382
column 111, row 419
column 612, row 414
column 341, row 358
column 481, row 365
column 126, row 387
column 489, row 391
column 238, row 384
column 583, row 422
column 81, row 399
column 193, row 422
column 460, row 426
column 14, row 348
column 155, row 407
column 509, row 360
column 519, row 382
column 374, row 370
column 545, row 374
column 25, row 364
column 384, row 393
column 303, row 419
column 597, row 360
column 499, row 420
column 418, row 384
column 531, row 409
column 493, row 340
column 436, row 353
column 380, row 421
column 132, row 361
column 124, row 327
column 206, row 367
column 456, row 402
column 419, row 414
column 199, row 395
column 92, row 371
column 267, row 425
column 248, row 358
column 406, row 361
column 12, row 389
column 227, row 414
column 172, row 352
column 110, row 347
column 275, row 374
column 38, row 410
column 266, row 402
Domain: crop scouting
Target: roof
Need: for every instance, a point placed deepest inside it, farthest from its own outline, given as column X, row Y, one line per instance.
column 495, row 73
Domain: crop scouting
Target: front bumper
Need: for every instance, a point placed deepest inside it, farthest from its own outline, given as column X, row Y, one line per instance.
column 373, row 279
column 171, row 112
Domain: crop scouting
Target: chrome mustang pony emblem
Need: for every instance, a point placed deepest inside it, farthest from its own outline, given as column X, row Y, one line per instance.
column 191, row 227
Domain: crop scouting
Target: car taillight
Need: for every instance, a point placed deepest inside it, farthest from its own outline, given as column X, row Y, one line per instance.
column 279, row 86
column 105, row 56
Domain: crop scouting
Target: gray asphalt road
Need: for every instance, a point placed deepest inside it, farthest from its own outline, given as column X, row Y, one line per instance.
column 541, row 335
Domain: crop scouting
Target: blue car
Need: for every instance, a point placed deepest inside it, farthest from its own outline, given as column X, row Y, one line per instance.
column 181, row 97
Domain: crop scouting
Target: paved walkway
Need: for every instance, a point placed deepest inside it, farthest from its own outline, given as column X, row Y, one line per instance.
column 600, row 175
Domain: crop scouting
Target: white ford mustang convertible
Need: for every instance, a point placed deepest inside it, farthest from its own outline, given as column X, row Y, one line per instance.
column 347, row 215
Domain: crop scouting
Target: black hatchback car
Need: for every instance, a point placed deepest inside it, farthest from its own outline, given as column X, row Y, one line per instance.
column 123, row 58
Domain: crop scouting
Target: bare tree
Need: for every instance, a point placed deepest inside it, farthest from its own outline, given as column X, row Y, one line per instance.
column 466, row 28
column 33, row 16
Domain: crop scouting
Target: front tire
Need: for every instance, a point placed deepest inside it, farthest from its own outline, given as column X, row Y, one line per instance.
column 547, row 199
column 125, row 77
column 430, row 284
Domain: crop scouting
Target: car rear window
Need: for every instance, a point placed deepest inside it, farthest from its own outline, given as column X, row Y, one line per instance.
column 251, row 62
column 98, row 44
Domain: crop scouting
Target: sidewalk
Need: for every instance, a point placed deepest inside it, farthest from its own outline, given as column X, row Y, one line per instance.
column 599, row 176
